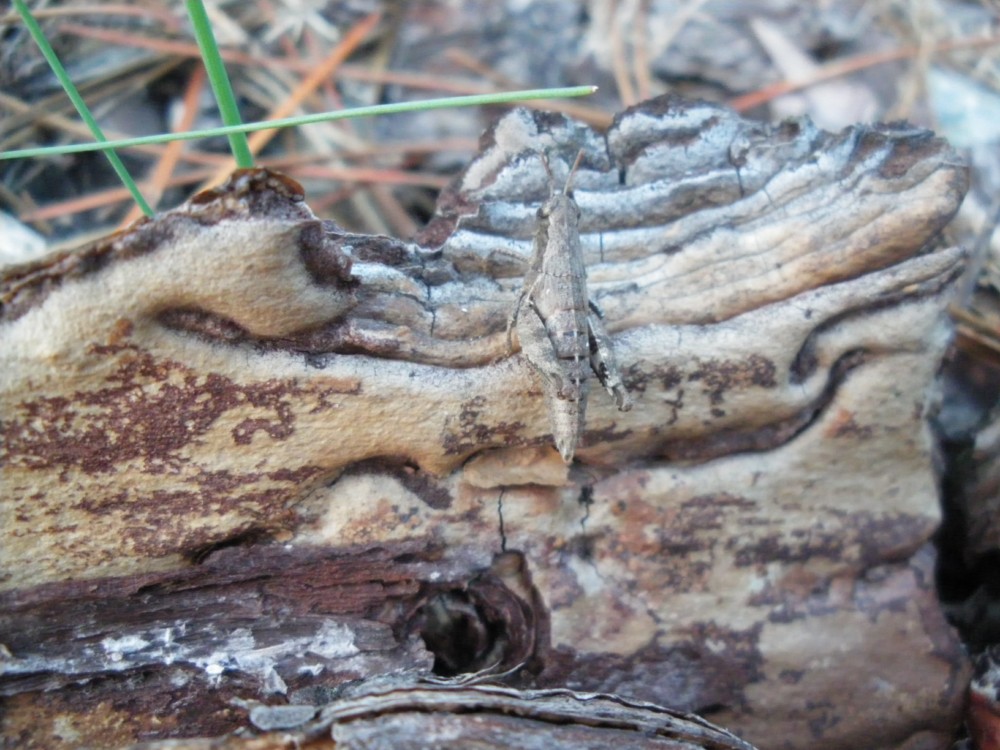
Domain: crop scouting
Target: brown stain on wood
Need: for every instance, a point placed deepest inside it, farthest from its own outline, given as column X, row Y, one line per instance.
column 149, row 408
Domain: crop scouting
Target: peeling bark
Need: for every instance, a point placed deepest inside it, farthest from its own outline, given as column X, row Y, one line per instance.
column 246, row 454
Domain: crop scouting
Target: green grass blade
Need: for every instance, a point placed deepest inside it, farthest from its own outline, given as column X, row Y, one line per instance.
column 60, row 72
column 503, row 97
column 216, row 70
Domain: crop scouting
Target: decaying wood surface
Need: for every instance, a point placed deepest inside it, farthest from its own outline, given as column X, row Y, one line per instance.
column 247, row 455
column 396, row 713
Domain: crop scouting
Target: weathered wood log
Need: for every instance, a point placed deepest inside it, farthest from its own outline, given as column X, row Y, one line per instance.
column 397, row 713
column 248, row 455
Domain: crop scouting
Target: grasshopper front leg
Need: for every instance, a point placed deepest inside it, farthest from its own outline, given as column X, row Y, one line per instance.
column 602, row 359
column 523, row 299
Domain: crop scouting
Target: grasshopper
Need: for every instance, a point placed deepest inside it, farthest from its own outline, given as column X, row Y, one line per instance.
column 561, row 331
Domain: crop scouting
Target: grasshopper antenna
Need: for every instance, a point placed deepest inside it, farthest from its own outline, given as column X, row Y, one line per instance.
column 567, row 188
column 548, row 171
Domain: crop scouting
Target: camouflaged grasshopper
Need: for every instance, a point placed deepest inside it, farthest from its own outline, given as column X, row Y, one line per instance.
column 561, row 331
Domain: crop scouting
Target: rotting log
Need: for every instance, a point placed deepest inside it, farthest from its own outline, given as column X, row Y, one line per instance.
column 247, row 455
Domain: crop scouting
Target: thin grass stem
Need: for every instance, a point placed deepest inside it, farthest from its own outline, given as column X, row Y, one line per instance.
column 81, row 107
column 219, row 79
column 502, row 97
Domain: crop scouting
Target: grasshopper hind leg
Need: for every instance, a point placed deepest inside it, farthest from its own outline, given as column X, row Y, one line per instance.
column 537, row 347
column 602, row 359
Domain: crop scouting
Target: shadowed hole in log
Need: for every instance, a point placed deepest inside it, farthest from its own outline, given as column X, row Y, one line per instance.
column 495, row 623
column 459, row 634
